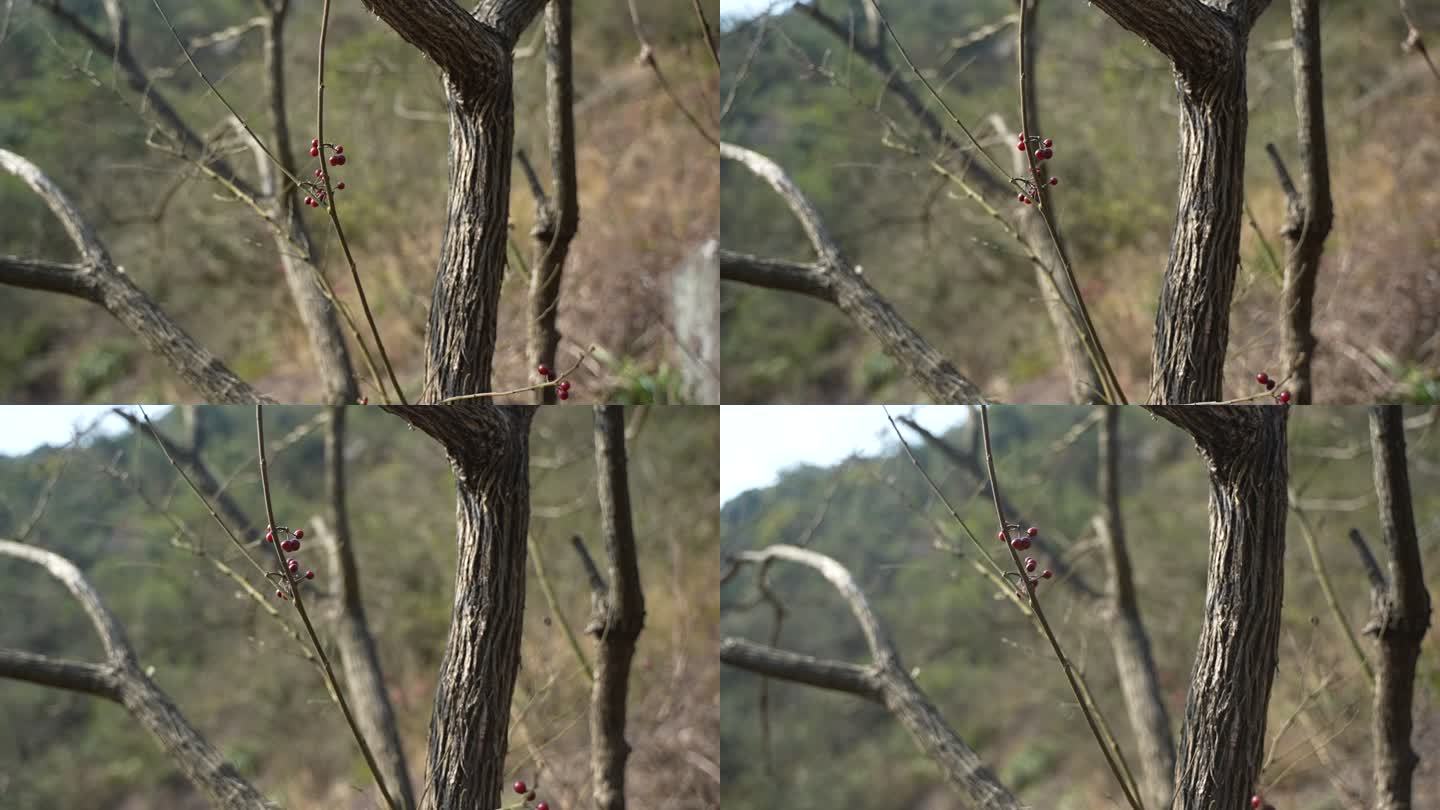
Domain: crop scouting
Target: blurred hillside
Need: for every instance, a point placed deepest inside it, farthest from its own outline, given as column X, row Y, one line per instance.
column 1107, row 101
column 242, row 682
column 648, row 188
column 985, row 667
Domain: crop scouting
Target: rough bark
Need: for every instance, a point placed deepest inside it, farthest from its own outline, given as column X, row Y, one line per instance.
column 1401, row 615
column 1205, row 41
column 557, row 216
column 1309, row 211
column 474, row 56
column 623, row 618
column 121, row 679
column 1223, row 740
column 359, row 658
column 97, row 279
column 1129, row 641
column 885, row 681
column 843, row 285
column 488, row 449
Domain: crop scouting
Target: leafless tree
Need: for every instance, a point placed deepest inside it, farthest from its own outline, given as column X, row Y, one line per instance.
column 1400, row 613
column 1219, row 753
column 488, row 449
column 474, row 54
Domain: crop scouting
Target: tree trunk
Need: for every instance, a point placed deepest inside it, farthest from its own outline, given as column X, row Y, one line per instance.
column 1131, row 644
column 488, row 448
column 1402, row 615
column 1224, row 734
column 360, row 661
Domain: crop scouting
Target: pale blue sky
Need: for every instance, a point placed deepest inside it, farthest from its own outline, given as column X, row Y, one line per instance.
column 757, row 442
column 734, row 8
column 25, row 427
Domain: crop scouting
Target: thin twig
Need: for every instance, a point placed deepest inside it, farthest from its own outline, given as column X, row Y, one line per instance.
column 305, row 616
column 1109, row 749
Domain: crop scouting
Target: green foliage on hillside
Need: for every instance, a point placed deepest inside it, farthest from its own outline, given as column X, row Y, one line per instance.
column 242, row 682
column 987, row 669
column 1107, row 100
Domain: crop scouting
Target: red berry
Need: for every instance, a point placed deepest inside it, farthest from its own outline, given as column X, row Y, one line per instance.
column 1270, row 385
column 314, row 151
column 1256, row 801
column 1049, row 143
column 1047, row 573
column 293, row 565
column 542, row 806
column 543, row 370
column 520, row 787
column 1003, row 537
column 340, row 150
column 1262, row 378
column 364, row 400
column 1039, row 154
column 340, row 160
column 1029, row 563
column 563, row 385
column 1020, row 197
column 1032, row 531
column 309, row 574
column 1020, row 543
column 280, row 594
column 269, row 537
column 530, row 797
column 299, row 533
column 562, row 394
column 1054, row 181
column 334, row 160
column 310, row 201
column 1284, row 397
column 340, row 187
column 319, row 173
column 1020, row 146
column 314, row 141
column 1027, row 200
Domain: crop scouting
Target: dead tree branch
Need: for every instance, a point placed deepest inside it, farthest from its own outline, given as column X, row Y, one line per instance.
column 624, row 614
column 847, row 289
column 1400, row 618
column 122, row 680
column 885, row 681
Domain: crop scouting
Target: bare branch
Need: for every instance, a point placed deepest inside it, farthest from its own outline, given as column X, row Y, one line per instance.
column 1402, row 615
column 852, row 294
column 1309, row 213
column 788, row 666
column 963, row 768
column 123, row 681
column 110, row 287
column 557, row 217
column 624, row 614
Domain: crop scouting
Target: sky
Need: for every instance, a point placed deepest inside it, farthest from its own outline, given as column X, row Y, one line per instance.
column 25, row 427
column 731, row 8
column 757, row 442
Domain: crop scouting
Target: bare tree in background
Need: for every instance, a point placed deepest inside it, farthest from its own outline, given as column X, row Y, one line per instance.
column 1205, row 41
column 619, row 614
column 1220, row 749
column 474, row 54
column 1400, row 613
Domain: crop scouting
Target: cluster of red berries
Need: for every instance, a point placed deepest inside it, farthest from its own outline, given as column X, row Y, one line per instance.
column 1264, row 379
column 524, row 790
column 562, row 388
column 1045, row 151
column 1022, row 543
column 1257, row 802
column 289, row 545
column 316, row 196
